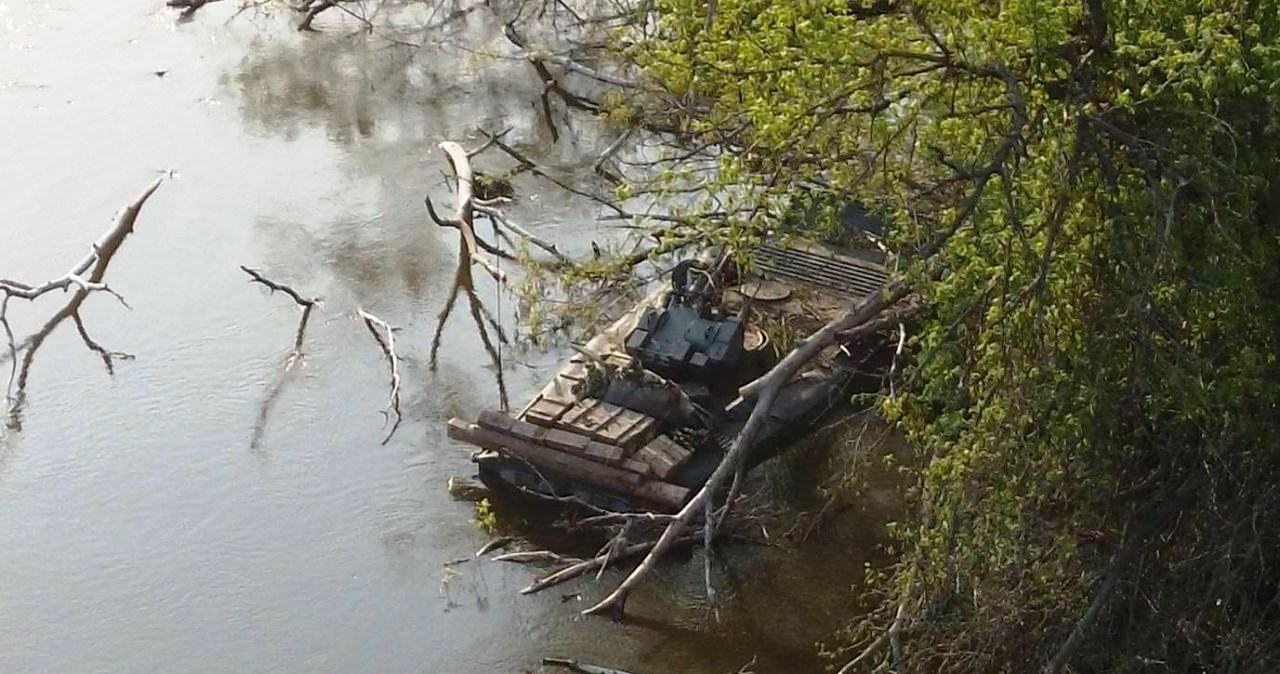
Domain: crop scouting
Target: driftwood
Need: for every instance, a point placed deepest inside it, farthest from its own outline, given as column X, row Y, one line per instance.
column 527, row 556
column 575, row 666
column 385, row 336
column 308, row 305
column 82, row 280
column 468, row 253
column 189, row 7
column 495, row 544
column 596, row 563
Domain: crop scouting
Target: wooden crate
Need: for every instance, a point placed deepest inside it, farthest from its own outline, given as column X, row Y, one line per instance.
column 664, row 456
column 547, row 410
column 608, row 423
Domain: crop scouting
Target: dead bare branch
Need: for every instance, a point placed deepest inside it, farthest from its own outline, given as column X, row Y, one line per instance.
column 574, row 570
column 295, row 355
column 308, row 304
column 889, row 638
column 189, row 7
column 13, row 347
column 83, row 279
column 385, row 336
column 528, row 165
column 495, row 544
column 526, row 556
column 108, row 357
column 580, row 668
column 500, row 218
column 468, row 253
column 311, row 9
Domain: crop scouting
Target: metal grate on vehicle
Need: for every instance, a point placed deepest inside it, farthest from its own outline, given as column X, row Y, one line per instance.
column 819, row 267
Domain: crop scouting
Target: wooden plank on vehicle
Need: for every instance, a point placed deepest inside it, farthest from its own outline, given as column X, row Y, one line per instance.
column 664, row 456
column 554, row 437
column 597, row 416
column 607, row 423
column 546, row 410
column 631, row 430
column 652, row 492
column 602, row 422
column 618, row 359
column 581, row 407
column 641, row 432
column 636, row 466
column 551, row 437
column 577, row 418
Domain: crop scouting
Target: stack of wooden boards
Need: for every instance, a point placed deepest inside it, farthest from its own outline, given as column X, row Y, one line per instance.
column 589, row 441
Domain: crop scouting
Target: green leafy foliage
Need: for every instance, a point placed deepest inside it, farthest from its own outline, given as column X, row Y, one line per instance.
column 1086, row 196
column 486, row 516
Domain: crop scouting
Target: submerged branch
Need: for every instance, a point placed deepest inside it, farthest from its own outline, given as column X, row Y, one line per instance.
column 83, row 279
column 295, row 355
column 580, row 668
column 308, row 304
column 385, row 336
column 468, row 252
column 598, row 562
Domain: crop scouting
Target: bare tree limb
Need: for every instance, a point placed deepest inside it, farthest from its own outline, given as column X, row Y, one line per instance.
column 13, row 347
column 108, row 357
column 574, row 570
column 526, row 164
column 890, row 638
column 295, row 355
column 385, row 336
column 495, row 544
column 83, row 279
column 312, row 9
column 189, row 7
column 580, row 668
column 499, row 217
column 468, row 252
column 464, row 216
column 95, row 261
column 526, row 556
column 308, row 304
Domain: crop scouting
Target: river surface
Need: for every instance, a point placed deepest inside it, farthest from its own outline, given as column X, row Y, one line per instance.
column 178, row 516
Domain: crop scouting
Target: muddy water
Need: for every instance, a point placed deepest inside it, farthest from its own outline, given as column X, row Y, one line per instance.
column 178, row 517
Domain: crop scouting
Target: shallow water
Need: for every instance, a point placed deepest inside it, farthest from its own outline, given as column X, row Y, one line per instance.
column 158, row 520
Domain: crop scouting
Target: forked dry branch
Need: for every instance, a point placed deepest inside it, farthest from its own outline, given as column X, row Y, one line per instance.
column 82, row 280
